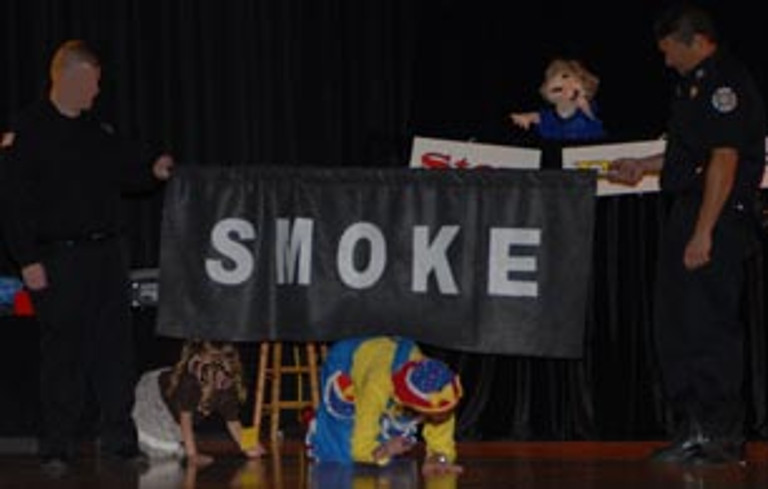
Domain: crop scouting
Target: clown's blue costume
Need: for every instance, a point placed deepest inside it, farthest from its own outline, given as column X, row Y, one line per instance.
column 373, row 389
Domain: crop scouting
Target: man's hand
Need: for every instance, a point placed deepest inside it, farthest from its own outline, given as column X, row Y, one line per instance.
column 6, row 140
column 162, row 168
column 697, row 251
column 628, row 171
column 34, row 276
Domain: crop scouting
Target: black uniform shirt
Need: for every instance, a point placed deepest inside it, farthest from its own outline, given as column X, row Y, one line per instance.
column 716, row 105
column 64, row 179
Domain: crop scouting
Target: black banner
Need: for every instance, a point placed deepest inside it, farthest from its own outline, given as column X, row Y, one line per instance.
column 493, row 261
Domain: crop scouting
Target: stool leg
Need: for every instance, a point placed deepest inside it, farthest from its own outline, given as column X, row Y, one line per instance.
column 313, row 376
column 277, row 362
column 261, row 380
column 299, row 366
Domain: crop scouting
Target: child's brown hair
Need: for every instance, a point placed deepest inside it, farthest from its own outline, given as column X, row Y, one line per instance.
column 206, row 360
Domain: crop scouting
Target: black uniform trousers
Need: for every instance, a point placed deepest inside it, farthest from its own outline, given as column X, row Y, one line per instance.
column 86, row 342
column 698, row 329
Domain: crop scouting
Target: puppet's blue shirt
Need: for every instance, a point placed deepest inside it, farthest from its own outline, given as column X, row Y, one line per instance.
column 577, row 127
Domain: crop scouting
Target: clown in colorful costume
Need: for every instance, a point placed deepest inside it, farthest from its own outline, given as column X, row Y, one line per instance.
column 378, row 390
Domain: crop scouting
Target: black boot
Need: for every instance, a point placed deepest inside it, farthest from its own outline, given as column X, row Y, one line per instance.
column 723, row 427
column 713, row 452
column 678, row 452
column 689, row 438
column 56, row 458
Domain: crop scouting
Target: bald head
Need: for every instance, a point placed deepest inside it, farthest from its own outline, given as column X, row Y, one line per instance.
column 72, row 53
column 75, row 73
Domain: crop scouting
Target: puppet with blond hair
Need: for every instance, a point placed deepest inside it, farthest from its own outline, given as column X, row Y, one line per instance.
column 570, row 89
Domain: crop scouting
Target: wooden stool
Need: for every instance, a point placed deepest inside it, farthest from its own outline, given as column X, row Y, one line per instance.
column 306, row 365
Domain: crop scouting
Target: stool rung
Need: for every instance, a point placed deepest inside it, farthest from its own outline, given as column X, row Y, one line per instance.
column 290, row 405
column 290, row 370
column 271, row 369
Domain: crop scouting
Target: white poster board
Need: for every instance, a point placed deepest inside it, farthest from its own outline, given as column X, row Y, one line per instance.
column 445, row 153
column 597, row 157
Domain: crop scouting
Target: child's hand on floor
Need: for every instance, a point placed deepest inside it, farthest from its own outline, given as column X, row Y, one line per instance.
column 255, row 452
column 199, row 460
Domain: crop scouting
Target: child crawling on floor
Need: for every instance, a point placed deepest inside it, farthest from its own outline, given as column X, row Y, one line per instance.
column 170, row 401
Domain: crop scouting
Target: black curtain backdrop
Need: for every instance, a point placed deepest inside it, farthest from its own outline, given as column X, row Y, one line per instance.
column 348, row 83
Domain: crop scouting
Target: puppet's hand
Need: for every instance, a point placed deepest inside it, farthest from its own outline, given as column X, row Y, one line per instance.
column 583, row 104
column 524, row 120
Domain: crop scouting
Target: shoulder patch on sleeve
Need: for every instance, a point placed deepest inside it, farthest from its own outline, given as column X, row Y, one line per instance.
column 724, row 100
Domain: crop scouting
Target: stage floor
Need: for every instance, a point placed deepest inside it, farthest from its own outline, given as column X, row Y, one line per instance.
column 498, row 465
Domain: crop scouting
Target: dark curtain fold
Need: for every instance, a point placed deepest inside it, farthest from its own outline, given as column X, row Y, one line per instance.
column 347, row 83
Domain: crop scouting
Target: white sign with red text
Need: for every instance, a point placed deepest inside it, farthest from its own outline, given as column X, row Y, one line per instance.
column 445, row 153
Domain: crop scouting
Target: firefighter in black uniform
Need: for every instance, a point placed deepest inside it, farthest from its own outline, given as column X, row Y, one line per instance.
column 63, row 179
column 711, row 171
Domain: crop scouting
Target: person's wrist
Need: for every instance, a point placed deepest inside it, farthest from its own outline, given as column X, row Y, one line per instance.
column 438, row 458
column 382, row 451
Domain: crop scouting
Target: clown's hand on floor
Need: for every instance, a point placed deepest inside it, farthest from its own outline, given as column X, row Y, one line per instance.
column 438, row 464
column 393, row 447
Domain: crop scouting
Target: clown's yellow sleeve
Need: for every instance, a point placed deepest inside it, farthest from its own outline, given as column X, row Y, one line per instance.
column 372, row 377
column 440, row 438
column 370, row 403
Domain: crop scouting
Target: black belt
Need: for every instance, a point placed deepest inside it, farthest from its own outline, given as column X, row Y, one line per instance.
column 94, row 237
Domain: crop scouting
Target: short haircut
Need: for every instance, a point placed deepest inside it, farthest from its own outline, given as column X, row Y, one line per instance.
column 682, row 22
column 70, row 53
